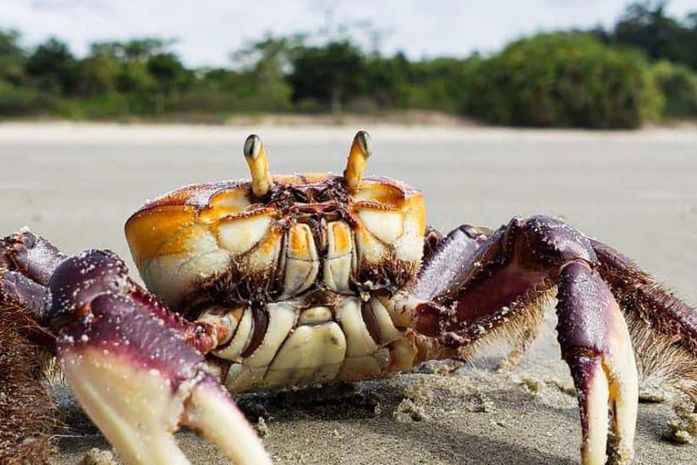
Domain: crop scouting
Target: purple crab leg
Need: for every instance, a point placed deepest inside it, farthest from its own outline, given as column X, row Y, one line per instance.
column 474, row 288
column 126, row 359
column 596, row 345
column 31, row 255
column 26, row 264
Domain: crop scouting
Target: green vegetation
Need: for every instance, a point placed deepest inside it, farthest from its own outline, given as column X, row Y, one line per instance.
column 565, row 79
column 646, row 26
column 643, row 69
column 679, row 86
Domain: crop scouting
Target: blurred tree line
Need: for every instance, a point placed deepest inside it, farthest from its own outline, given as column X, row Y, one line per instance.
column 642, row 69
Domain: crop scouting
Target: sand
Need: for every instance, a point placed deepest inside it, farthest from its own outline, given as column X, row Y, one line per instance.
column 637, row 191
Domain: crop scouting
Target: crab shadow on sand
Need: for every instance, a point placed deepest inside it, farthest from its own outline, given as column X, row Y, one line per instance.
column 368, row 408
column 450, row 426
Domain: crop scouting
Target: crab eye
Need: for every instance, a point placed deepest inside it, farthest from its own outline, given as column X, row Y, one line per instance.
column 360, row 151
column 385, row 225
column 258, row 162
column 241, row 234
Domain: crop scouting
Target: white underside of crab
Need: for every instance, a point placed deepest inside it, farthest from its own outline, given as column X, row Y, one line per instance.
column 304, row 344
column 315, row 345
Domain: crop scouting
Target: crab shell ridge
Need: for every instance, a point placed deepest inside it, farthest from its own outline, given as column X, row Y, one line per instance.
column 216, row 242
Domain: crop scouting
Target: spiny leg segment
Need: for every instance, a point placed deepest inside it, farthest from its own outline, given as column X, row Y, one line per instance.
column 130, row 362
column 28, row 416
column 494, row 289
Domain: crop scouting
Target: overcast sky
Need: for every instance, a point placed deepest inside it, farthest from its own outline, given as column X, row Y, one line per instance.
column 207, row 30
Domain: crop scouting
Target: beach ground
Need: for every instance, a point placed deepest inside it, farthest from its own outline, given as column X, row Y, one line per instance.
column 76, row 184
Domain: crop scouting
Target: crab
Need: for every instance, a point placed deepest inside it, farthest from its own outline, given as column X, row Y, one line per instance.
column 299, row 280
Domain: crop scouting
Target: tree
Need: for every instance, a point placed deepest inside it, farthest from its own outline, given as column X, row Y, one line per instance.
column 166, row 69
column 53, row 68
column 646, row 25
column 262, row 68
column 140, row 50
column 168, row 74
column 134, row 78
column 565, row 79
column 442, row 83
column 387, row 80
column 679, row 87
column 330, row 75
column 12, row 58
column 99, row 71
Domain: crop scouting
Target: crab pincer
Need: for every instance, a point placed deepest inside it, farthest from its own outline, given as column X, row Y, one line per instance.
column 285, row 281
column 596, row 344
column 126, row 360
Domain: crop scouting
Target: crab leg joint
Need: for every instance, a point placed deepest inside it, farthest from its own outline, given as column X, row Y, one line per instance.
column 288, row 281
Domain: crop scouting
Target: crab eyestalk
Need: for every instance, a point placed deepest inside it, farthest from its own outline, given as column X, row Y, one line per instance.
column 258, row 162
column 361, row 149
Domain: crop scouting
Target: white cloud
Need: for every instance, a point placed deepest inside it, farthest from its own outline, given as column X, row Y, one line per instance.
column 207, row 30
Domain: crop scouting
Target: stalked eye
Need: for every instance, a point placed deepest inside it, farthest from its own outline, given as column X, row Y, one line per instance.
column 241, row 234
column 387, row 226
column 258, row 162
column 360, row 151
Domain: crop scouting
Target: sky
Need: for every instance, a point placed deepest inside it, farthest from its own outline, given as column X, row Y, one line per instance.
column 206, row 31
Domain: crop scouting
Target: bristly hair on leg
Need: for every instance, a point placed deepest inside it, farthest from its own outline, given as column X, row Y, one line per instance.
column 28, row 414
column 663, row 328
column 522, row 326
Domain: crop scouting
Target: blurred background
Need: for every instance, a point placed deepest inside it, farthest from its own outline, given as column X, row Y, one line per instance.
column 590, row 64
column 106, row 103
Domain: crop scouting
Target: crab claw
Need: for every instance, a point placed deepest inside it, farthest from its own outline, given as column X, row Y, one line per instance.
column 31, row 255
column 596, row 345
column 126, row 360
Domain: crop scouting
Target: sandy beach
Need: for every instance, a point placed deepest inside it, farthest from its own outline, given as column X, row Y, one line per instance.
column 76, row 184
